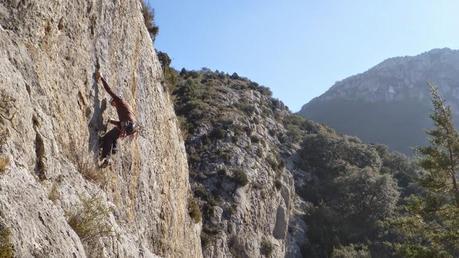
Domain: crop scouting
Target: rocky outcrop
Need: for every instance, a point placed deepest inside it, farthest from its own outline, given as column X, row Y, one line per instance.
column 52, row 114
column 239, row 149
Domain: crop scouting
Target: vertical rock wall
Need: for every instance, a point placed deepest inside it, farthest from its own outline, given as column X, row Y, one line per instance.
column 52, row 113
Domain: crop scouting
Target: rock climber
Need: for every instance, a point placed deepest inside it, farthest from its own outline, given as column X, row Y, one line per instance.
column 126, row 125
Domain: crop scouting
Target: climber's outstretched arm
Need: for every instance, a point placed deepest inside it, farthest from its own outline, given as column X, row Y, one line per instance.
column 109, row 91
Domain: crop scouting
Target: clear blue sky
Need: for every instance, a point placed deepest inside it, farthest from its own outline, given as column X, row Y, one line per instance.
column 299, row 48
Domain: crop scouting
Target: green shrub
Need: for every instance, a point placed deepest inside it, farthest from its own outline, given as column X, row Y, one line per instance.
column 240, row 177
column 294, row 133
column 351, row 251
column 217, row 133
column 149, row 19
column 200, row 191
column 235, row 76
column 193, row 74
column 224, row 154
column 271, row 159
column 221, row 172
column 246, row 108
column 253, row 85
column 278, row 184
column 254, row 139
column 193, row 210
column 225, row 122
column 259, row 152
column 232, row 209
column 265, row 91
column 170, row 74
column 164, row 59
column 89, row 220
column 184, row 126
column 266, row 247
column 205, row 239
column 6, row 247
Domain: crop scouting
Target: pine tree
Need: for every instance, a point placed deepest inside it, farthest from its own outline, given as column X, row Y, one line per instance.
column 429, row 226
column 441, row 158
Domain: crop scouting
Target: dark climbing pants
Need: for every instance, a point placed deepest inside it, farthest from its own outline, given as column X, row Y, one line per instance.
column 108, row 142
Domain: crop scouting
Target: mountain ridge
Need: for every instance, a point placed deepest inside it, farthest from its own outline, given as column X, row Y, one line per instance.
column 385, row 92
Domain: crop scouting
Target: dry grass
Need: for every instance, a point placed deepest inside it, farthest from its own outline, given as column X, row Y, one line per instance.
column 90, row 219
column 4, row 163
column 54, row 194
column 6, row 247
column 3, row 135
column 89, row 170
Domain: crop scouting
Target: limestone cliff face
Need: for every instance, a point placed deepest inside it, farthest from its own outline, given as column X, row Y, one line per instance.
column 52, row 113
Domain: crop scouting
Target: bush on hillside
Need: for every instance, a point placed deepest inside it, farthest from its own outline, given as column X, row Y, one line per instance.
column 193, row 210
column 90, row 219
column 149, row 19
column 350, row 194
column 240, row 177
column 351, row 251
column 267, row 247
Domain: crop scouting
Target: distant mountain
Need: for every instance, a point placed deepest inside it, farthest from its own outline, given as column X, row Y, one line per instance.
column 390, row 103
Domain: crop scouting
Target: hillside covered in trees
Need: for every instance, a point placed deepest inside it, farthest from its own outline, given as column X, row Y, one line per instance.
column 339, row 197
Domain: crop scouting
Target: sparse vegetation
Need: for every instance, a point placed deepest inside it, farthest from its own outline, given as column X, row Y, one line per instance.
column 149, row 19
column 217, row 133
column 254, row 139
column 247, row 108
column 170, row 75
column 266, row 247
column 89, row 170
column 7, row 108
column 351, row 251
column 275, row 162
column 3, row 135
column 193, row 210
column 278, row 184
column 205, row 239
column 4, row 163
column 90, row 219
column 219, row 112
column 54, row 194
column 297, row 128
column 240, row 177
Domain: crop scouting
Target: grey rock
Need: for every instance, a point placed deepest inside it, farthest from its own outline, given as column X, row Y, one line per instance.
column 49, row 51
